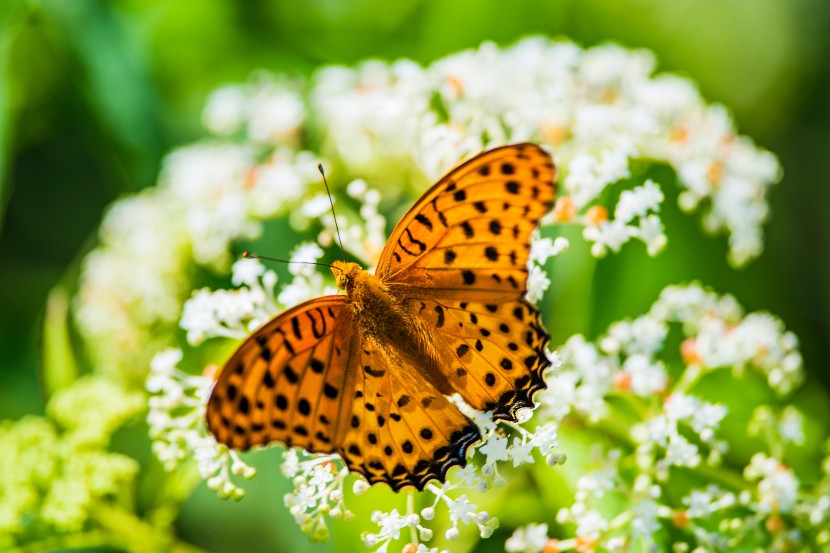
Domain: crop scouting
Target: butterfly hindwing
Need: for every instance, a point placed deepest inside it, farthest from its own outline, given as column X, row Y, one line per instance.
column 494, row 353
column 286, row 381
column 400, row 430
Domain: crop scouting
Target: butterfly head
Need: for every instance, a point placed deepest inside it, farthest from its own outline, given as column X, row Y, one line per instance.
column 345, row 273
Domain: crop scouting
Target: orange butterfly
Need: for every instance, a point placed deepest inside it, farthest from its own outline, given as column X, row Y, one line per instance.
column 366, row 374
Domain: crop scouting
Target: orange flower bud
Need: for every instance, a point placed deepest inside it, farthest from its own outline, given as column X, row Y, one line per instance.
column 715, row 172
column 680, row 519
column 554, row 134
column 456, row 85
column 622, row 381
column 564, row 209
column 774, row 524
column 688, row 351
column 211, row 371
column 679, row 134
column 584, row 544
column 596, row 214
column 552, row 546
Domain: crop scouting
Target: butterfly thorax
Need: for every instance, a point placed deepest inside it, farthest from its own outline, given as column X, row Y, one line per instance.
column 387, row 323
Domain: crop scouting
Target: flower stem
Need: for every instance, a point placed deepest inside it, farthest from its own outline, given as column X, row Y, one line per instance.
column 410, row 510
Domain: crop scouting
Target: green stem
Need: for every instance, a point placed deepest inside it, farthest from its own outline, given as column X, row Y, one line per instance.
column 85, row 540
column 410, row 509
column 133, row 534
column 688, row 378
column 724, row 476
column 129, row 533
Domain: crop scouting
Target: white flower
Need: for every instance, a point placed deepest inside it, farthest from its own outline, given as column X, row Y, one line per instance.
column 791, row 425
column 682, row 453
column 638, row 202
column 589, row 174
column 495, row 449
column 225, row 111
column 590, row 523
column 599, row 482
column 708, row 416
column 537, row 282
column 608, row 235
column 647, row 378
column 162, row 369
column 681, row 407
column 390, row 523
column 545, row 437
column 316, row 206
column 461, row 509
column 276, row 114
column 247, row 272
column 644, row 521
column 777, row 487
column 541, row 249
column 527, row 539
column 307, row 252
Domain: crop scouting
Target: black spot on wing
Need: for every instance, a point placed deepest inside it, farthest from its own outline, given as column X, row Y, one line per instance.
column 318, row 324
column 424, row 220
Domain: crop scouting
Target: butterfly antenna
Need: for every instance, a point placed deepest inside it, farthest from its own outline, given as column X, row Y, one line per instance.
column 331, row 201
column 249, row 255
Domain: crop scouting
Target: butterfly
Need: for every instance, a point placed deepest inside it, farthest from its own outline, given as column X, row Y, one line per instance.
column 366, row 374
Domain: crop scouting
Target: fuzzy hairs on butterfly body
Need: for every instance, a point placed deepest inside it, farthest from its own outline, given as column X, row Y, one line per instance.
column 386, row 324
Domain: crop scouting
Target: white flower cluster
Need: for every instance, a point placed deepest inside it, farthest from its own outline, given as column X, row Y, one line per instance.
column 717, row 336
column 541, row 249
column 641, row 204
column 364, row 232
column 624, row 372
column 777, row 485
column 318, row 491
column 507, row 443
column 235, row 313
column 269, row 112
column 134, row 283
column 786, row 429
column 662, row 431
column 528, row 539
column 176, row 420
column 721, row 337
column 597, row 109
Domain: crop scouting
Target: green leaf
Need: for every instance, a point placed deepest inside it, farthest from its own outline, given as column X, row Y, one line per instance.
column 10, row 20
column 60, row 368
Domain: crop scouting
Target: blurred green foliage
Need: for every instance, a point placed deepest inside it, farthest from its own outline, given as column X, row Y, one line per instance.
column 93, row 93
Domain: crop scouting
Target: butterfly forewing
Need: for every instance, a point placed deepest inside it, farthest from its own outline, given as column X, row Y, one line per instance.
column 458, row 259
column 472, row 229
column 286, row 382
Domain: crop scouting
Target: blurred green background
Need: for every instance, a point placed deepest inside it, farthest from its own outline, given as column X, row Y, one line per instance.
column 94, row 93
